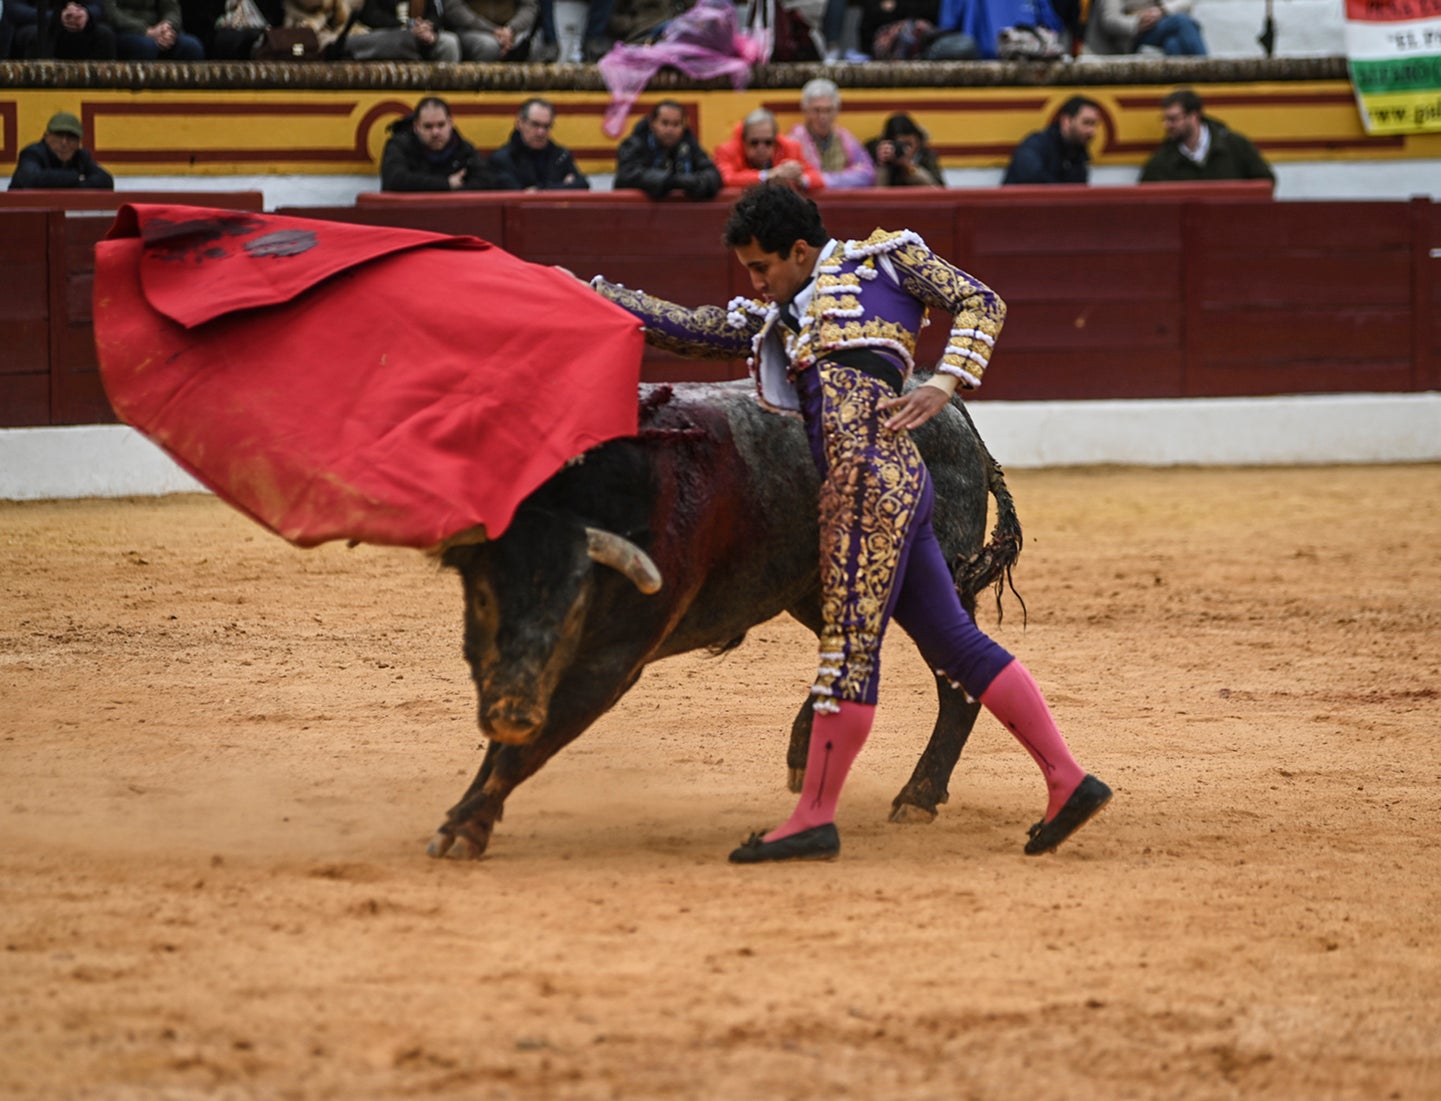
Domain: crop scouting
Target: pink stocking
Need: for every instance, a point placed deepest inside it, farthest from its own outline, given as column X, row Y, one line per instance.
column 1014, row 698
column 836, row 740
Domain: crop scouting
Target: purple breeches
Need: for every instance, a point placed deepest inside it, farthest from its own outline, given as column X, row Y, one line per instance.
column 879, row 555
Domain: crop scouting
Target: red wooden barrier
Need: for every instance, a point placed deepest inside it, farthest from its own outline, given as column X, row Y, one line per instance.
column 1156, row 291
column 501, row 198
column 84, row 199
column 25, row 258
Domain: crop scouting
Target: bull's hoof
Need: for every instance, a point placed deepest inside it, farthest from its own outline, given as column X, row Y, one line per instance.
column 795, row 777
column 466, row 848
column 908, row 814
column 454, row 845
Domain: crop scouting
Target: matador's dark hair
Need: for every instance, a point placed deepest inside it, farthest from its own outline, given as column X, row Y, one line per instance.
column 776, row 216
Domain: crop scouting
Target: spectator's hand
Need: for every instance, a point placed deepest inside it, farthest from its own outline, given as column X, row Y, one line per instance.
column 424, row 31
column 163, row 33
column 506, row 37
column 457, row 179
column 74, row 18
column 914, row 409
column 885, row 152
column 1148, row 18
column 790, row 171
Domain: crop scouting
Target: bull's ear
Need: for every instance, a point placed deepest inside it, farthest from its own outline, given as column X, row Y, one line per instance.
column 468, row 537
column 621, row 554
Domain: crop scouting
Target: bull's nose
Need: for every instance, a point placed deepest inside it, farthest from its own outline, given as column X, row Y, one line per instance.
column 511, row 722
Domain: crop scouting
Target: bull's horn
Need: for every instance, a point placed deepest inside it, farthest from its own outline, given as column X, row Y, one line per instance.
column 611, row 550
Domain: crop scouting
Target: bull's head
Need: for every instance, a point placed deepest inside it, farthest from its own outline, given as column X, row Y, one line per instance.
column 527, row 596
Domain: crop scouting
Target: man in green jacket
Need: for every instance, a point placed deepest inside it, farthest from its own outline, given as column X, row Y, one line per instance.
column 1201, row 148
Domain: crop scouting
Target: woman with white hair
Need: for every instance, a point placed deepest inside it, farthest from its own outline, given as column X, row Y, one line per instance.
column 839, row 156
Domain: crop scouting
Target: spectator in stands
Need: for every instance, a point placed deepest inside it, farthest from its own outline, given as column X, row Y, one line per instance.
column 757, row 152
column 903, row 159
column 833, row 30
column 492, row 30
column 841, row 158
column 426, row 153
column 1198, row 147
column 530, row 160
column 1124, row 26
column 641, row 22
column 150, row 30
column 1060, row 153
column 327, row 18
column 595, row 40
column 74, row 30
column 230, row 30
column 380, row 35
column 59, row 160
column 662, row 155
column 897, row 30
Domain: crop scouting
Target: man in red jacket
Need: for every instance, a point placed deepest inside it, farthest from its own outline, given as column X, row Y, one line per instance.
column 757, row 152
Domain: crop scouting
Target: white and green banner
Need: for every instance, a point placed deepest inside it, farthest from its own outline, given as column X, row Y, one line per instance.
column 1394, row 49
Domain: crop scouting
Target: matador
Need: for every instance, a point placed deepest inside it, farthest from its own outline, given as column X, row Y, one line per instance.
column 831, row 336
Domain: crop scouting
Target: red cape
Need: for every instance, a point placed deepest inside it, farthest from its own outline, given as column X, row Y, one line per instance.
column 338, row 381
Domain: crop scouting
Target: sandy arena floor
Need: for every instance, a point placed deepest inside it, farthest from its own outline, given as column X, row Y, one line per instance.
column 222, row 758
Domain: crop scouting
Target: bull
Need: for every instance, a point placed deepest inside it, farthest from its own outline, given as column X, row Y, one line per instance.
column 683, row 538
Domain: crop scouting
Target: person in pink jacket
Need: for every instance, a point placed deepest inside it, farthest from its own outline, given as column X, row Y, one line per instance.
column 841, row 159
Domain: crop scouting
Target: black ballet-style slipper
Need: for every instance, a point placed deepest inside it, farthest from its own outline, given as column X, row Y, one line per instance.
column 816, row 843
column 1089, row 797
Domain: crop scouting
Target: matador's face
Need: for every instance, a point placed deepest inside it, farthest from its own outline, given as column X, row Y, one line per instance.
column 778, row 276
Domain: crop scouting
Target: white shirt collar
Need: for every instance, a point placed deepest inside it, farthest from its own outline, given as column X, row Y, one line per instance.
column 1203, row 146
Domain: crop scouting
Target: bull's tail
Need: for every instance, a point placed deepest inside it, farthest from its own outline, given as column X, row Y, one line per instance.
column 991, row 565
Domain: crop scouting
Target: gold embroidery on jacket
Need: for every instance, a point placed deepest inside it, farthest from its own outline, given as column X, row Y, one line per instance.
column 867, row 502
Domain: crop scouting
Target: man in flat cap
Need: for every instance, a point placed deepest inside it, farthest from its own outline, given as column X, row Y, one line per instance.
column 58, row 160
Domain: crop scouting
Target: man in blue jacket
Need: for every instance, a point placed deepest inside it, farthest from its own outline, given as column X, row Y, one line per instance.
column 1059, row 154
column 530, row 161
column 58, row 160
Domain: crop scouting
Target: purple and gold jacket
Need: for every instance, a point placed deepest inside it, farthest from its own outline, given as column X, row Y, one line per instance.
column 872, row 294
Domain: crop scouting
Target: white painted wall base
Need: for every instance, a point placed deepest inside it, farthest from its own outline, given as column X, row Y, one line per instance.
column 1276, row 431
column 116, row 461
column 94, row 460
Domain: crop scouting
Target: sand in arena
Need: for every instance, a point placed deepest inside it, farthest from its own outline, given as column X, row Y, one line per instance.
column 221, row 758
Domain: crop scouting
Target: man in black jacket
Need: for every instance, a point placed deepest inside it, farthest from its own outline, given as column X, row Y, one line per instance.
column 1199, row 147
column 389, row 39
column 58, row 160
column 426, row 153
column 530, row 161
column 70, row 30
column 661, row 155
column 1059, row 153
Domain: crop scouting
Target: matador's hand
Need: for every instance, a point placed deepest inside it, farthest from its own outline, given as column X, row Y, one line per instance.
column 914, row 409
